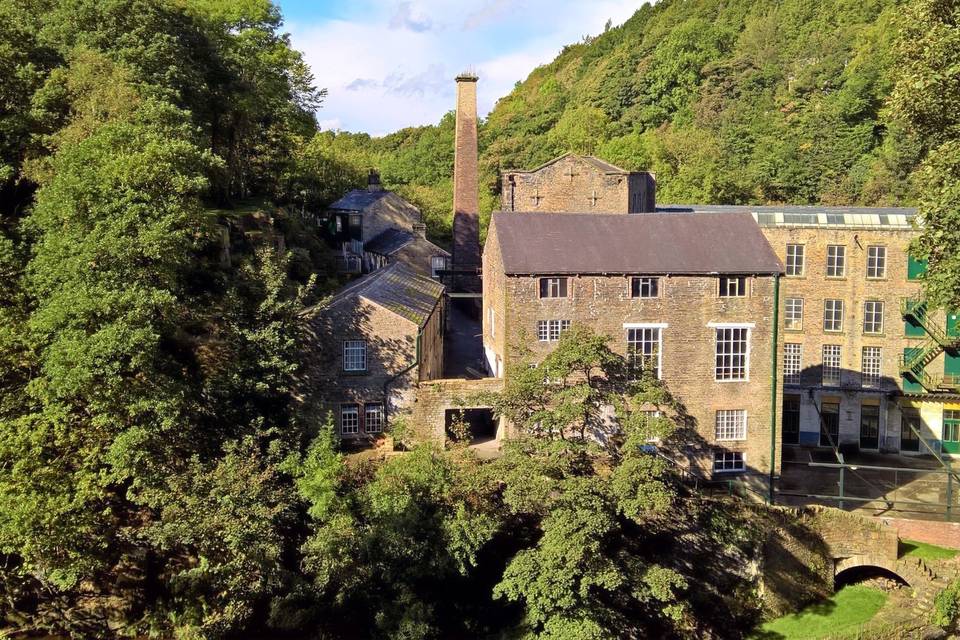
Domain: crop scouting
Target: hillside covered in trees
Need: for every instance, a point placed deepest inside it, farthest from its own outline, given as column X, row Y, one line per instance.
column 728, row 101
column 158, row 477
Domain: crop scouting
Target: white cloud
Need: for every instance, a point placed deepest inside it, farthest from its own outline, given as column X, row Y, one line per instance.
column 395, row 67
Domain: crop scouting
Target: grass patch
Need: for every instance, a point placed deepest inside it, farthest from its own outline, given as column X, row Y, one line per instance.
column 924, row 551
column 841, row 614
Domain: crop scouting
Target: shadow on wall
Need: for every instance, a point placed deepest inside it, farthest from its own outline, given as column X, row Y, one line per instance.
column 862, row 423
column 324, row 384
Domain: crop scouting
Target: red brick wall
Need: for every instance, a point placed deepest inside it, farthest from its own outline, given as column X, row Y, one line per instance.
column 944, row 534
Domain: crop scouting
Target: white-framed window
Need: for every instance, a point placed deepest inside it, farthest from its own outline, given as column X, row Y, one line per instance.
column 733, row 353
column 553, row 287
column 493, row 322
column 727, row 461
column 792, row 353
column 349, row 419
column 876, row 261
column 836, row 260
column 550, row 330
column 733, row 286
column 644, row 287
column 795, row 259
column 870, row 367
column 644, row 350
column 873, row 316
column 437, row 264
column 831, row 364
column 354, row 355
column 731, row 424
column 833, row 315
column 373, row 418
column 793, row 314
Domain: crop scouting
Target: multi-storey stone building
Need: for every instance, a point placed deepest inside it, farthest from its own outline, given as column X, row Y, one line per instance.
column 578, row 183
column 865, row 363
column 374, row 227
column 370, row 347
column 691, row 296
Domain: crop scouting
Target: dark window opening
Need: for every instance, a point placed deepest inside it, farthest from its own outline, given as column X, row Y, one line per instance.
column 829, row 424
column 869, row 426
column 791, row 420
column 553, row 287
column 473, row 425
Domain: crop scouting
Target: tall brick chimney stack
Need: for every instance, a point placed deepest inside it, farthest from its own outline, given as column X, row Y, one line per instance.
column 466, row 198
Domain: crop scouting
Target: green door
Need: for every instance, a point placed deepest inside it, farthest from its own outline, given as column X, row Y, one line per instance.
column 953, row 324
column 910, row 387
column 951, row 431
column 951, row 367
column 915, row 268
column 915, row 330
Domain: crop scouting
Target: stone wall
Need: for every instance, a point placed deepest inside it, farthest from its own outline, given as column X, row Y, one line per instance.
column 434, row 398
column 431, row 343
column 574, row 184
column 938, row 532
column 391, row 349
column 854, row 289
column 686, row 308
column 389, row 212
column 495, row 322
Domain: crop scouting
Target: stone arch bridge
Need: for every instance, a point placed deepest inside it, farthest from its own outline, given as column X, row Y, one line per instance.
column 858, row 543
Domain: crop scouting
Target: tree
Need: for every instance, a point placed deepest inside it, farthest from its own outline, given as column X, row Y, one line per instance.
column 927, row 97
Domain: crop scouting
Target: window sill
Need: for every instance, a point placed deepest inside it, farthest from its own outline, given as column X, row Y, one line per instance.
column 793, row 330
column 355, row 373
column 730, row 380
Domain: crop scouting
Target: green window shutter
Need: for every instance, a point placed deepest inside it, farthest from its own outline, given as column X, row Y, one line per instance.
column 915, row 268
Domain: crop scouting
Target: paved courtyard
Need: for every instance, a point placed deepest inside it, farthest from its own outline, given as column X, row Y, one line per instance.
column 917, row 487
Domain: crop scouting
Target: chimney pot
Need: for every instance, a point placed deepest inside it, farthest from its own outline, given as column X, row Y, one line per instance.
column 420, row 230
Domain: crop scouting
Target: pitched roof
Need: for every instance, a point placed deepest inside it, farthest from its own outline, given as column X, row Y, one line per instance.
column 572, row 243
column 395, row 288
column 358, row 199
column 602, row 165
column 389, row 241
column 405, row 293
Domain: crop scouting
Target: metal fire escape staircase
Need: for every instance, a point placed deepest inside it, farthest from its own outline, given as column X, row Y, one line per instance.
column 913, row 365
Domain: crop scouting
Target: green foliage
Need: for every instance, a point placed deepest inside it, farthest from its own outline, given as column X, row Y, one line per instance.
column 927, row 99
column 146, row 370
column 946, row 607
column 843, row 614
column 727, row 102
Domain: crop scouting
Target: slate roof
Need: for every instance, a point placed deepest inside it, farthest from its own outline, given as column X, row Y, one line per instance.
column 808, row 216
column 405, row 293
column 571, row 243
column 389, row 241
column 358, row 199
column 395, row 288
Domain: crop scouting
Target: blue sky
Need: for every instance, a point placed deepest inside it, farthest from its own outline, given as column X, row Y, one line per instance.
column 389, row 64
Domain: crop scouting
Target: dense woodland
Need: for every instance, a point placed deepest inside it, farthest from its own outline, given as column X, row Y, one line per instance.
column 156, row 474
